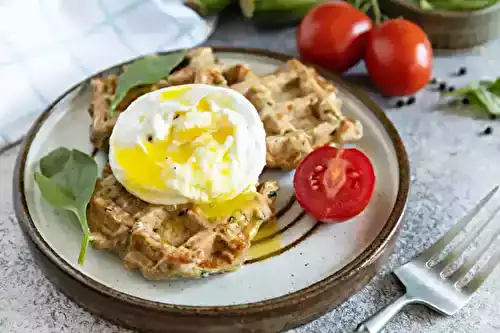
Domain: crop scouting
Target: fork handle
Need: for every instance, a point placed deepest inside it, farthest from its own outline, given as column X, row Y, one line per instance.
column 377, row 322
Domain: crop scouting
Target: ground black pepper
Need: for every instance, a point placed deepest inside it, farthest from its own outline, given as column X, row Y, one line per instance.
column 465, row 101
column 451, row 88
column 400, row 103
column 433, row 81
column 411, row 100
column 462, row 71
column 442, row 86
column 493, row 116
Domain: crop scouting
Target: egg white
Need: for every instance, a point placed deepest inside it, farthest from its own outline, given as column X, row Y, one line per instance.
column 190, row 143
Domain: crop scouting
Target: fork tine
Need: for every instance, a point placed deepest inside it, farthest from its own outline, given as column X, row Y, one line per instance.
column 434, row 250
column 483, row 274
column 465, row 269
column 465, row 243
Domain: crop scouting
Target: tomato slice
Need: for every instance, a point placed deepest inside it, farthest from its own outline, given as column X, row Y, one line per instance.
column 334, row 185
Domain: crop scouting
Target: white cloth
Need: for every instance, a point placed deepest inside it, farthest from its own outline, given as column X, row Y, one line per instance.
column 46, row 46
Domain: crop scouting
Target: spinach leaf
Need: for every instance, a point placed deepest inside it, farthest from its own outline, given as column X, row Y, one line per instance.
column 147, row 70
column 67, row 180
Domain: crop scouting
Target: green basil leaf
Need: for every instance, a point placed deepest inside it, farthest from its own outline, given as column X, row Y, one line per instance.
column 67, row 181
column 459, row 92
column 494, row 87
column 489, row 100
column 56, row 195
column 477, row 104
column 147, row 70
column 54, row 162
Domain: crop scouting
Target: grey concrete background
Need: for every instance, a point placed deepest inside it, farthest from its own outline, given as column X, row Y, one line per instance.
column 451, row 166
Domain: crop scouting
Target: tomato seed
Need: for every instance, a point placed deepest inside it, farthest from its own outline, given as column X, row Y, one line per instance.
column 319, row 168
column 315, row 187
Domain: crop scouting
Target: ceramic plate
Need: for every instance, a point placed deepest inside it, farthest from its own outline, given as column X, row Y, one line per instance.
column 297, row 269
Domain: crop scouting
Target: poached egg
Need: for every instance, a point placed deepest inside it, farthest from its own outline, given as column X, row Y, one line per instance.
column 188, row 144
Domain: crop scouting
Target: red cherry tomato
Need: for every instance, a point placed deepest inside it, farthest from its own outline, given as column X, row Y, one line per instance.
column 333, row 35
column 333, row 186
column 398, row 57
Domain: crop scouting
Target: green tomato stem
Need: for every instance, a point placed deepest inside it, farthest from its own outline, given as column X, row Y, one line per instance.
column 376, row 12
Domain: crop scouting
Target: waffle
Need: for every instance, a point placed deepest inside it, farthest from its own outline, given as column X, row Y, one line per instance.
column 202, row 68
column 169, row 242
column 299, row 109
column 300, row 112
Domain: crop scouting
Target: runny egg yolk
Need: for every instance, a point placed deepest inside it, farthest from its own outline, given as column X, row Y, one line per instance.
column 198, row 139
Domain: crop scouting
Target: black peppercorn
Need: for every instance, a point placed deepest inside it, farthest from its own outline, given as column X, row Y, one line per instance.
column 462, row 71
column 411, row 100
column 487, row 131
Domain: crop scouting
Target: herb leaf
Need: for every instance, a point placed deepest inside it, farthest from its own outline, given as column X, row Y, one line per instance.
column 147, row 70
column 483, row 95
column 67, row 180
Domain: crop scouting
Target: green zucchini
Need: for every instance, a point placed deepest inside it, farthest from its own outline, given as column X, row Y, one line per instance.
column 208, row 7
column 272, row 13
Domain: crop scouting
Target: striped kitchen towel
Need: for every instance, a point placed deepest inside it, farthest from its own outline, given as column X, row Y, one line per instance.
column 46, row 46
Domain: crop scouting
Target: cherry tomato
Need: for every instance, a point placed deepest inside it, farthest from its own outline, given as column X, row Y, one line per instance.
column 334, row 185
column 333, row 35
column 398, row 57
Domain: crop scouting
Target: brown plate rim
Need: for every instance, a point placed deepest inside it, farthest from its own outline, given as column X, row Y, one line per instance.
column 366, row 258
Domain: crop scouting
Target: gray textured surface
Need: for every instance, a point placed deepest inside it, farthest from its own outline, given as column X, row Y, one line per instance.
column 451, row 168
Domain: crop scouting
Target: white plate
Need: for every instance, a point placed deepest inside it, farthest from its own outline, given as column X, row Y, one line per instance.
column 312, row 251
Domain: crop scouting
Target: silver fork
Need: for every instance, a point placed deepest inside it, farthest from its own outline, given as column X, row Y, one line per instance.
column 428, row 285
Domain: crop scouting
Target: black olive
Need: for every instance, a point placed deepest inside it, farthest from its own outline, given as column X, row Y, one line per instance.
column 411, row 100
column 465, row 101
column 400, row 103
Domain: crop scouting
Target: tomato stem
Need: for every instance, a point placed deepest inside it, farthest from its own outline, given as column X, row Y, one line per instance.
column 376, row 12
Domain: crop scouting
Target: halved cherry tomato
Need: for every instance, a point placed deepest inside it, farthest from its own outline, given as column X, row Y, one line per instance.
column 333, row 35
column 334, row 185
column 398, row 57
